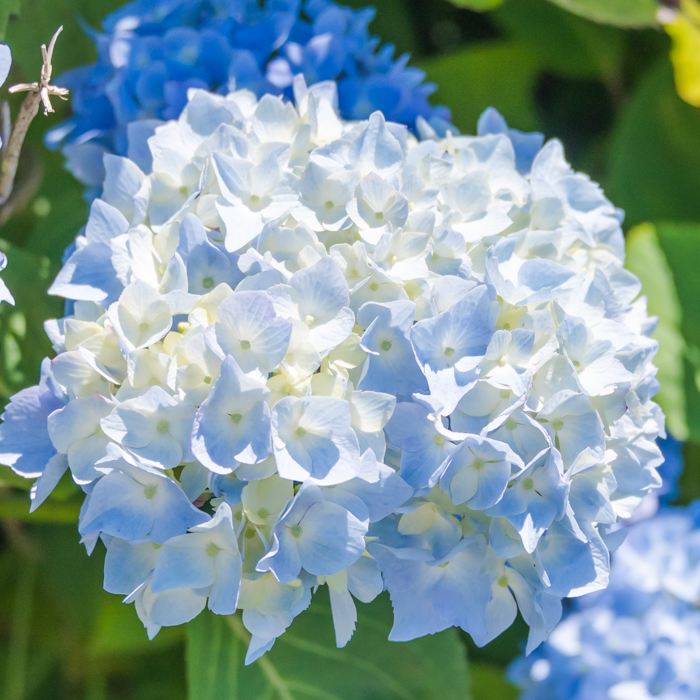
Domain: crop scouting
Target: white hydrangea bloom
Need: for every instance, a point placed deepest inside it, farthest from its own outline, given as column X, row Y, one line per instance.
column 379, row 362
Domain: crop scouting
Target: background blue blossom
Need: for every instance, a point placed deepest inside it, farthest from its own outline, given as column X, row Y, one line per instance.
column 150, row 52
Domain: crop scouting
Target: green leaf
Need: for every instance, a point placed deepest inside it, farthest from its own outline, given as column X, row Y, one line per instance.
column 392, row 24
column 23, row 343
column 655, row 154
column 9, row 479
column 478, row 5
column 118, row 630
column 497, row 74
column 624, row 13
column 564, row 44
column 305, row 664
column 646, row 259
column 691, row 366
column 681, row 246
column 489, row 683
column 40, row 19
column 18, row 663
column 14, row 505
column 680, row 243
column 689, row 480
column 7, row 9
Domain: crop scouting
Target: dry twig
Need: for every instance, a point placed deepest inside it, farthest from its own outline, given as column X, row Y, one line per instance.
column 39, row 93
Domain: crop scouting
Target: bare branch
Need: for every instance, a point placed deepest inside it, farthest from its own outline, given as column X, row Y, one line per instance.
column 39, row 93
column 25, row 189
column 5, row 126
column 27, row 112
column 49, row 58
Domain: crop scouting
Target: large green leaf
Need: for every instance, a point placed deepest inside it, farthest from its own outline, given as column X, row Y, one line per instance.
column 489, row 683
column 40, row 19
column 646, row 259
column 655, row 154
column 497, row 74
column 680, row 243
column 118, row 630
column 689, row 480
column 391, row 23
column 304, row 664
column 23, row 342
column 64, row 637
column 478, row 5
column 564, row 44
column 625, row 13
column 7, row 8
column 681, row 246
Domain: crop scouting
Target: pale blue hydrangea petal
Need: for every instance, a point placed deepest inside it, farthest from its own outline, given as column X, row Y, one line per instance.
column 207, row 556
column 479, row 471
column 382, row 496
column 75, row 431
column 174, row 607
column 128, row 565
column 5, row 62
column 25, row 444
column 131, row 503
column 526, row 145
column 5, row 294
column 251, row 332
column 428, row 598
column 323, row 538
column 424, row 451
column 536, row 499
column 312, row 438
column 391, row 367
column 47, row 482
column 233, row 423
column 155, row 426
column 88, row 274
column 458, row 337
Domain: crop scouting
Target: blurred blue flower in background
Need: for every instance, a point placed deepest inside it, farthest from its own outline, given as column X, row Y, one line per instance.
column 640, row 638
column 152, row 51
column 670, row 470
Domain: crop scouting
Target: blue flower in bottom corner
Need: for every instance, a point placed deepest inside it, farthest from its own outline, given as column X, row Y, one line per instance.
column 639, row 639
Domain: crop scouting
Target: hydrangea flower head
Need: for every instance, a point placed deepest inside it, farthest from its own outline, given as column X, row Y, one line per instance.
column 302, row 351
column 638, row 639
column 151, row 52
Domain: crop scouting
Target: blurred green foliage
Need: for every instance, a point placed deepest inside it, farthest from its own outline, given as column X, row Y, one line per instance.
column 647, row 260
column 626, row 13
column 606, row 91
column 304, row 663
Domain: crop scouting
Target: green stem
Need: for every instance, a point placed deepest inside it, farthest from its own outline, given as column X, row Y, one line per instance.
column 15, row 506
column 265, row 665
column 18, row 656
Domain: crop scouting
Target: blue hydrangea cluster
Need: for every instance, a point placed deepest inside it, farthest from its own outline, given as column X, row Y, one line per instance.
column 639, row 639
column 302, row 351
column 151, row 52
